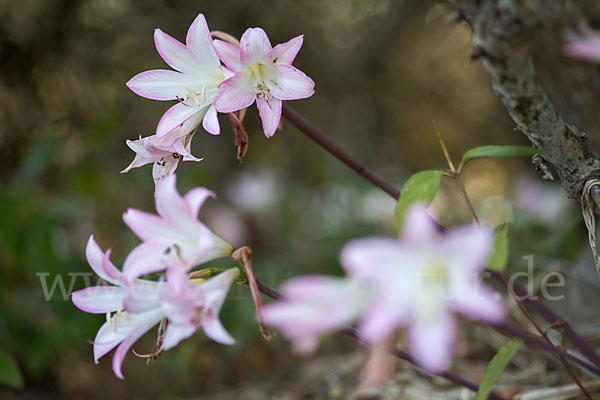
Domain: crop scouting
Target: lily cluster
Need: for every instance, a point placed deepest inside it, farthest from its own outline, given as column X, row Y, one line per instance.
column 419, row 281
column 175, row 241
column 209, row 77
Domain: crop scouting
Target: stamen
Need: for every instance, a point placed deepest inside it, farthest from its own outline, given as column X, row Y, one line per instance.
column 203, row 93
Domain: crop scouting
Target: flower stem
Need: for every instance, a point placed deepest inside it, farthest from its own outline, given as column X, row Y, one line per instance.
column 245, row 255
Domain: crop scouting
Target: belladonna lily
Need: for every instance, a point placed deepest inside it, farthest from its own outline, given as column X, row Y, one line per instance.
column 174, row 239
column 314, row 305
column 421, row 281
column 261, row 73
column 133, row 308
column 164, row 154
column 198, row 73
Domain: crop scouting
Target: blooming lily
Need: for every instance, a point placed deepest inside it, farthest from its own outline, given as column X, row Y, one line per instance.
column 261, row 73
column 314, row 305
column 421, row 280
column 198, row 73
column 164, row 155
column 133, row 308
column 585, row 46
column 174, row 239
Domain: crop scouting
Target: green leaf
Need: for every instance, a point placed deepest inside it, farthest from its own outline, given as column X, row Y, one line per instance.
column 499, row 257
column 498, row 151
column 421, row 187
column 10, row 374
column 496, row 366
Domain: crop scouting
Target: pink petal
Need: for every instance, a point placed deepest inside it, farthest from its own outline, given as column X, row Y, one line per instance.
column 195, row 198
column 158, row 84
column 270, row 114
column 176, row 333
column 107, row 339
column 211, row 122
column 99, row 299
column 176, row 116
column 431, row 342
column 285, row 53
column 144, row 259
column 381, row 319
column 235, row 93
column 255, row 47
column 213, row 328
column 145, row 225
column 229, row 54
column 171, row 206
column 95, row 258
column 477, row 239
column 479, row 303
column 141, row 324
column 290, row 83
column 142, row 295
column 174, row 52
column 200, row 43
column 418, row 226
column 372, row 258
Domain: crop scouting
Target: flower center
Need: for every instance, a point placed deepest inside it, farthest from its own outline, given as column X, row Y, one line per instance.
column 435, row 275
column 259, row 74
column 113, row 318
column 187, row 93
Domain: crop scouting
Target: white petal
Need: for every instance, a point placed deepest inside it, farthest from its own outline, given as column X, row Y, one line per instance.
column 289, row 83
column 159, row 84
column 175, row 53
column 270, row 114
column 199, row 42
column 176, row 333
column 285, row 53
column 211, row 122
column 255, row 47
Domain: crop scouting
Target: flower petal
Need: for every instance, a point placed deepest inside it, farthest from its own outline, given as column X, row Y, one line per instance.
column 479, row 303
column 200, row 43
column 99, row 299
column 229, row 54
column 176, row 116
column 285, row 53
column 158, row 84
column 210, row 122
column 418, row 226
column 196, row 197
column 176, row 333
column 255, row 47
column 141, row 323
column 95, row 258
column 235, row 93
column 145, row 225
column 431, row 342
column 382, row 318
column 172, row 207
column 374, row 257
column 174, row 52
column 164, row 167
column 270, row 114
column 142, row 295
column 289, row 83
column 214, row 329
column 144, row 259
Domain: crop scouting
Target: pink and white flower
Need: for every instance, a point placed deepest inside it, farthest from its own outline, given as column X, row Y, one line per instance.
column 198, row 73
column 163, row 153
column 133, row 308
column 261, row 73
column 585, row 45
column 174, row 239
column 421, row 280
column 314, row 305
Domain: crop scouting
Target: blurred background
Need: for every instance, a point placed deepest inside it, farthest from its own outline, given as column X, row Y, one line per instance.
column 384, row 71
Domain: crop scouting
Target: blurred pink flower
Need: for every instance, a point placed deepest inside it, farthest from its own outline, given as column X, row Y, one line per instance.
column 133, row 308
column 420, row 281
column 585, row 45
column 314, row 305
column 261, row 73
column 543, row 201
column 198, row 73
column 174, row 239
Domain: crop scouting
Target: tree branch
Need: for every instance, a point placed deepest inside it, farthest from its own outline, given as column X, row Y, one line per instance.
column 502, row 31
